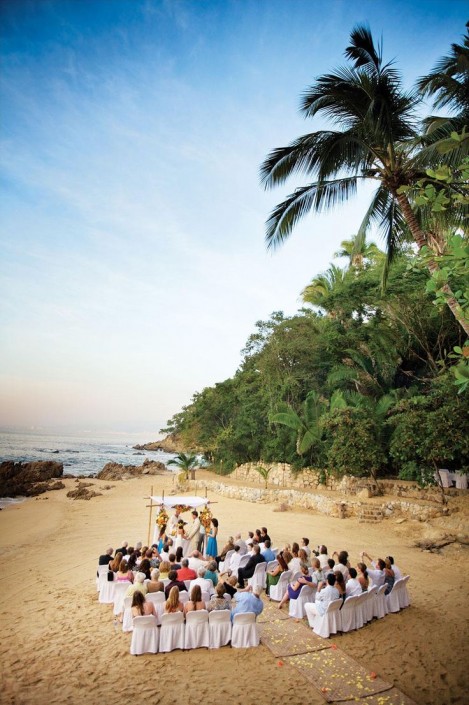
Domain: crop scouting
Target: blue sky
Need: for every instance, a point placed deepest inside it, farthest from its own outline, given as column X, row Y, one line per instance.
column 132, row 219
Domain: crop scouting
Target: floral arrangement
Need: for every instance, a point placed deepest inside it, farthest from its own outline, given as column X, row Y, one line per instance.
column 205, row 517
column 182, row 508
column 162, row 518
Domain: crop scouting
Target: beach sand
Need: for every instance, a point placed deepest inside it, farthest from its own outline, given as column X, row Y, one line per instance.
column 59, row 645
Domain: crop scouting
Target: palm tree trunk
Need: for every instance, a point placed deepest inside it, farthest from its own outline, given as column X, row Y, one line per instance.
column 422, row 239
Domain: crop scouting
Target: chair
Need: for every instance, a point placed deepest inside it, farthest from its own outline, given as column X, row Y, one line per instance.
column 205, row 596
column 223, row 566
column 106, row 590
column 197, row 632
column 187, row 583
column 328, row 623
column 361, row 610
column 380, row 603
column 119, row 593
column 258, row 577
column 297, row 607
column 461, row 480
column 127, row 622
column 171, row 632
column 144, row 635
column 219, row 624
column 277, row 591
column 392, row 599
column 102, row 570
column 348, row 614
column 275, row 550
column 271, row 565
column 241, row 564
column 370, row 604
column 244, row 633
column 158, row 599
column 404, row 599
column 445, row 478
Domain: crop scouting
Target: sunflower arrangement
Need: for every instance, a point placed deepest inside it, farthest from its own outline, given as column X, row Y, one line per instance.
column 182, row 508
column 205, row 517
column 162, row 518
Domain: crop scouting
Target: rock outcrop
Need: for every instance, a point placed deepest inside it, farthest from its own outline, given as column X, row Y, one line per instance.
column 82, row 492
column 29, row 479
column 115, row 471
column 170, row 444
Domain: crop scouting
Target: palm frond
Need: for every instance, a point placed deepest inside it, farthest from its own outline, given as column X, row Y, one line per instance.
column 362, row 50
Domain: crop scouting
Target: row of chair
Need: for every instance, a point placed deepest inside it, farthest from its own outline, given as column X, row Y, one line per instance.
column 359, row 610
column 211, row 630
column 159, row 601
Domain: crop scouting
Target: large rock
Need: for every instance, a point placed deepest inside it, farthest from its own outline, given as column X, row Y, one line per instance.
column 170, row 444
column 28, row 479
column 82, row 492
column 115, row 471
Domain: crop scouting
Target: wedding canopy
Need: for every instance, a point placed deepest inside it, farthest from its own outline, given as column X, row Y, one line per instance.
column 170, row 502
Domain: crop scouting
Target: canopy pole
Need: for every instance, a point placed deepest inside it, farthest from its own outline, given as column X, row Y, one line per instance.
column 149, row 520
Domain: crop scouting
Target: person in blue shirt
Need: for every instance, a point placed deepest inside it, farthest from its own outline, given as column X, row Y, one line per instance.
column 248, row 600
column 268, row 554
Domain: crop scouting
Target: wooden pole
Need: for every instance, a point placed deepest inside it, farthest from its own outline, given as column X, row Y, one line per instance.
column 149, row 521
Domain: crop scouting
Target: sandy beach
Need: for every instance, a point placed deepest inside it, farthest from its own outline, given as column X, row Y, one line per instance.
column 60, row 646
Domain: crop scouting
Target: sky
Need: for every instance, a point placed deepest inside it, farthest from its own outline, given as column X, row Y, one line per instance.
column 133, row 262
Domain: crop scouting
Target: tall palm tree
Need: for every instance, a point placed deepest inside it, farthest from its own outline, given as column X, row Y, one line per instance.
column 375, row 140
column 322, row 286
column 358, row 251
column 185, row 462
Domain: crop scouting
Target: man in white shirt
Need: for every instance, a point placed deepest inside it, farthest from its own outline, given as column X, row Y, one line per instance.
column 243, row 549
column 352, row 586
column 205, row 585
column 196, row 561
column 323, row 598
column 376, row 572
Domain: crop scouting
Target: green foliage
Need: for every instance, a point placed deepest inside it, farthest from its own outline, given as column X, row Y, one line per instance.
column 264, row 473
column 187, row 462
column 354, row 447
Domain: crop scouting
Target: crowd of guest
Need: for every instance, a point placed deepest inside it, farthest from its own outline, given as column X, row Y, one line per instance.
column 162, row 568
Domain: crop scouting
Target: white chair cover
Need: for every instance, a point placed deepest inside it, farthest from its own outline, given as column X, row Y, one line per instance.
column 197, row 631
column 102, row 570
column 271, row 565
column 327, row 624
column 258, row 577
column 370, row 604
column 245, row 632
column 392, row 600
column 106, row 590
column 404, row 599
column 219, row 622
column 158, row 599
column 187, row 583
column 297, row 607
column 184, row 596
column 119, row 593
column 144, row 635
column 277, row 591
column 127, row 621
column 223, row 566
column 348, row 614
column 275, row 550
column 361, row 610
column 380, row 603
column 205, row 597
column 171, row 632
column 461, row 481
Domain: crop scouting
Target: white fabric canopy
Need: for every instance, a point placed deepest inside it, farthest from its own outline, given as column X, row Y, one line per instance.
column 172, row 501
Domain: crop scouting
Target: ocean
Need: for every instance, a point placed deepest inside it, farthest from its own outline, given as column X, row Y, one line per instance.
column 81, row 455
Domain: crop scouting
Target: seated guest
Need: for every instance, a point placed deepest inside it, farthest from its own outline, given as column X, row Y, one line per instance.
column 397, row 571
column 172, row 562
column 132, row 562
column 179, row 554
column 305, row 547
column 340, row 583
column 352, row 586
column 155, row 584
column 249, row 539
column 330, row 568
column 173, row 603
column 229, row 546
column 376, row 572
column 196, row 561
column 229, row 585
column 218, row 601
column 114, row 564
column 211, row 573
column 138, row 585
column 140, row 607
column 273, row 576
column 144, row 567
column 317, row 575
column 248, row 601
column 264, row 535
column 164, row 569
column 293, row 590
column 106, row 558
column 243, row 549
column 205, row 585
column 235, row 560
column 196, row 602
column 258, row 536
column 363, row 578
column 155, row 557
column 267, row 552
column 295, row 563
column 389, row 577
column 303, row 556
column 174, row 582
column 342, row 563
column 123, row 549
column 124, row 575
column 323, row 557
column 323, row 598
column 249, row 568
column 186, row 573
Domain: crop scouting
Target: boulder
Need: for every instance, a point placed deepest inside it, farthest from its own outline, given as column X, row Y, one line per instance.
column 82, row 492
column 116, row 471
column 23, row 478
column 170, row 444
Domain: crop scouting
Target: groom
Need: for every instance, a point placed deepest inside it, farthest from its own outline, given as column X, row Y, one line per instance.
column 193, row 533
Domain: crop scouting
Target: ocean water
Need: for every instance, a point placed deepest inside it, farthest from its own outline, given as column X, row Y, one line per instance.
column 81, row 455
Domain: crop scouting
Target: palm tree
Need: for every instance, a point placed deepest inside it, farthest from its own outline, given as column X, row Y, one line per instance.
column 376, row 140
column 185, row 462
column 322, row 287
column 359, row 252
